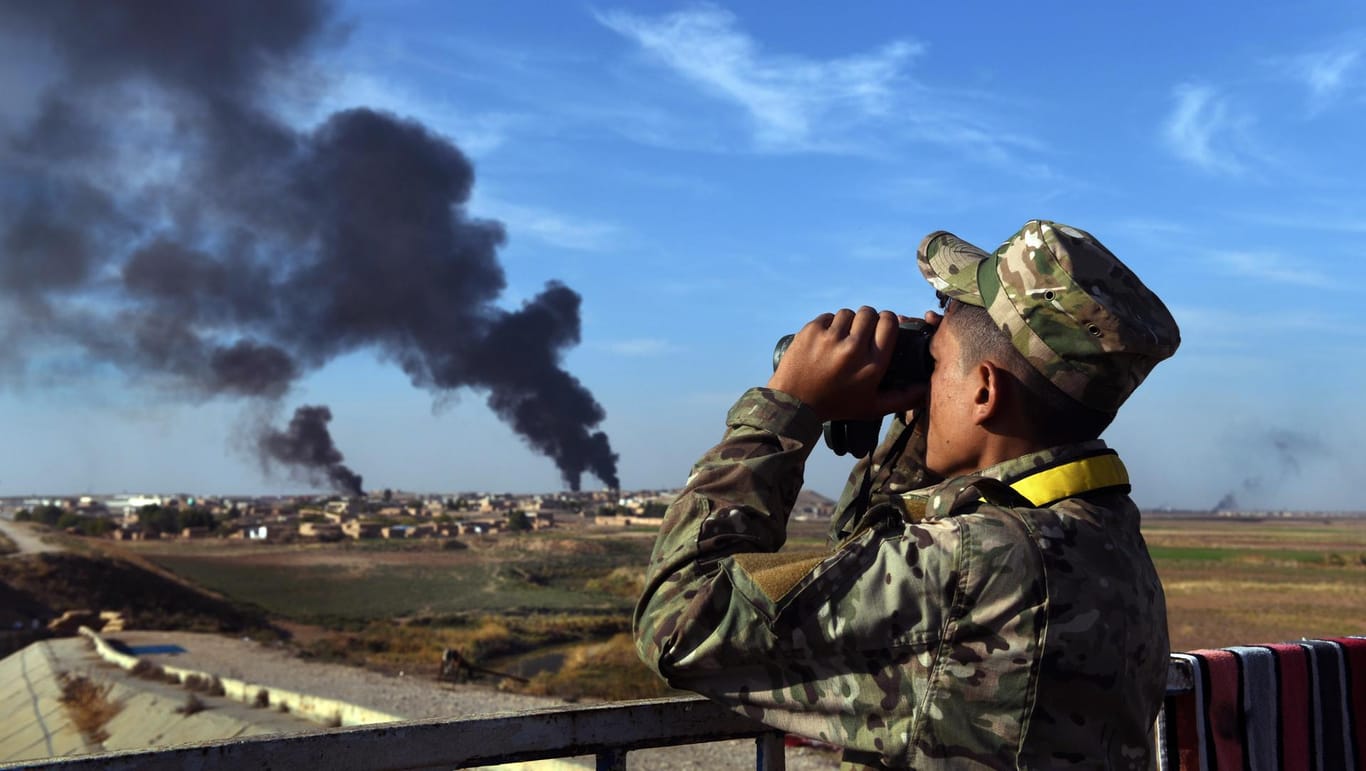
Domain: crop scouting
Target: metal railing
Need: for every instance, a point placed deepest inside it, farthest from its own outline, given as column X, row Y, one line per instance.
column 607, row 731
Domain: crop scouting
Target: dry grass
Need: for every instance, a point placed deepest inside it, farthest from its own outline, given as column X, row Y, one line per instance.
column 626, row 581
column 193, row 704
column 1232, row 606
column 416, row 645
column 1241, row 582
column 607, row 670
column 88, row 705
column 148, row 671
column 208, row 684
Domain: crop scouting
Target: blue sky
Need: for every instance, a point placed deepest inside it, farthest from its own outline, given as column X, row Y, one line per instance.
column 710, row 177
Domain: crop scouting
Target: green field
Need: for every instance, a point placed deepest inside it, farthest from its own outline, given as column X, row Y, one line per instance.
column 396, row 605
column 341, row 584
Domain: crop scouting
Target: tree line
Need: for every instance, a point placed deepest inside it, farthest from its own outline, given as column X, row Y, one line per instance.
column 152, row 517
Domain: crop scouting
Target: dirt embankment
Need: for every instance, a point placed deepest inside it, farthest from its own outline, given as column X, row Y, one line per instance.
column 43, row 586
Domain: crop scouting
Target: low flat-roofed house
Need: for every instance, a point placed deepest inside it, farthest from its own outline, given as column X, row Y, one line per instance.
column 478, row 527
column 358, row 530
column 270, row 532
column 549, row 507
column 495, row 503
column 812, row 506
column 615, row 520
column 323, row 531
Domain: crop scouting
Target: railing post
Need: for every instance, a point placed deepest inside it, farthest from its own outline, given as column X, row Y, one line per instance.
column 612, row 760
column 769, row 754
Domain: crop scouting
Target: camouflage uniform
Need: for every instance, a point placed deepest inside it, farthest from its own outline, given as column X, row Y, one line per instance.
column 1011, row 618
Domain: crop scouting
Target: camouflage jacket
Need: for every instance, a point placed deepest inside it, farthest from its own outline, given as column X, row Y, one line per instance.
column 959, row 626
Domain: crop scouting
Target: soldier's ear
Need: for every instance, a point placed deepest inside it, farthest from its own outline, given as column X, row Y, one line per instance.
column 987, row 391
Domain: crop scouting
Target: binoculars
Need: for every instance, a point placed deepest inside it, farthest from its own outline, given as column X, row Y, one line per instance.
column 911, row 363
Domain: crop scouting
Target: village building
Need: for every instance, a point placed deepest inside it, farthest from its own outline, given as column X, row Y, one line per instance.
column 323, row 531
column 358, row 530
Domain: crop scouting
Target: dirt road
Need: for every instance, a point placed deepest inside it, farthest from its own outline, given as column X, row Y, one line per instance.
column 25, row 537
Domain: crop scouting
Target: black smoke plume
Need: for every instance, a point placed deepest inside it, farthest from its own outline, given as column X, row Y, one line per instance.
column 156, row 216
column 1276, row 456
column 307, row 446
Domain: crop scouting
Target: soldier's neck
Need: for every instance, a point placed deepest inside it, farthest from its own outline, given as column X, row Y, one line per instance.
column 999, row 448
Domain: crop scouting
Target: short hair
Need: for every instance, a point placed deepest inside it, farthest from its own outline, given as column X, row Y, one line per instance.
column 1053, row 417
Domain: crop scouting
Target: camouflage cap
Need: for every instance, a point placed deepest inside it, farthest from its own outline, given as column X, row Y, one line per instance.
column 1075, row 312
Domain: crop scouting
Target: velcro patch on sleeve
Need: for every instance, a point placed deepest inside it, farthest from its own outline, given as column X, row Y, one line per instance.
column 913, row 506
column 777, row 574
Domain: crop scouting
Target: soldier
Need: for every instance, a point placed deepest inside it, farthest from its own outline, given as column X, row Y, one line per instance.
column 455, row 667
column 987, row 600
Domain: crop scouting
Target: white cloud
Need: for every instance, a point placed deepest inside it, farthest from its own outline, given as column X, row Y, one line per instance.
column 1313, row 220
column 1147, row 226
column 1205, row 130
column 792, row 102
column 1275, row 268
column 1235, row 329
column 641, row 346
column 1325, row 74
column 550, row 227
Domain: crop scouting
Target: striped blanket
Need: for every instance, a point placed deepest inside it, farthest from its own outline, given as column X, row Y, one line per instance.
column 1289, row 706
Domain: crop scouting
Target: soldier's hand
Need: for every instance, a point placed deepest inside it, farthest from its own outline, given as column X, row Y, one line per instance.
column 835, row 363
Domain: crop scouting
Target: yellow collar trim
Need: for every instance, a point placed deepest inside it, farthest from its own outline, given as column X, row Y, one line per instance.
column 1075, row 478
